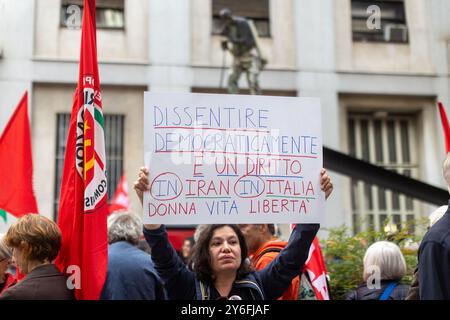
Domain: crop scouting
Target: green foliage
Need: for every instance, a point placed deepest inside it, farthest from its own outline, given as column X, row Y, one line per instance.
column 344, row 254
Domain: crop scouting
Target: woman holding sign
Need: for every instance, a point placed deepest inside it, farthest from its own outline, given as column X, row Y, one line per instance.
column 220, row 268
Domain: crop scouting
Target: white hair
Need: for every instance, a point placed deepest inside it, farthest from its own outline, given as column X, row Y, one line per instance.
column 387, row 257
column 198, row 230
column 124, row 226
column 437, row 214
column 5, row 252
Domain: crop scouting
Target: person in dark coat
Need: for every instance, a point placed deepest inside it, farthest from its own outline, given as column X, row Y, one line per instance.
column 36, row 241
column 219, row 261
column 384, row 267
column 130, row 274
column 414, row 293
column 434, row 261
column 434, row 254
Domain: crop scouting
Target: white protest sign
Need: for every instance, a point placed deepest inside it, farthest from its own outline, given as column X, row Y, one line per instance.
column 220, row 158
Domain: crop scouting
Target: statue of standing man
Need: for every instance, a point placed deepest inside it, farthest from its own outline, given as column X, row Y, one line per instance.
column 241, row 41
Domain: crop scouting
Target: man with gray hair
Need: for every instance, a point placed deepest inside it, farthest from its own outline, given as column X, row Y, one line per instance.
column 131, row 274
column 434, row 255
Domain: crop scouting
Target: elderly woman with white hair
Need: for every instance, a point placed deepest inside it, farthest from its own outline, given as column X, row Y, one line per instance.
column 130, row 274
column 384, row 267
column 7, row 280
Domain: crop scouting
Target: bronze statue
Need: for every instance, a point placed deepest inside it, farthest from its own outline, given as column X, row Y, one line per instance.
column 242, row 42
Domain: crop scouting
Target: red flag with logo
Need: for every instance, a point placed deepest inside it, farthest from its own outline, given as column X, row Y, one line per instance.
column 317, row 270
column 16, row 164
column 83, row 205
column 120, row 201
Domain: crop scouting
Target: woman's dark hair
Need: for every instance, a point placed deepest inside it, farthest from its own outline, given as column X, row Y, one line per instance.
column 191, row 241
column 201, row 259
column 187, row 259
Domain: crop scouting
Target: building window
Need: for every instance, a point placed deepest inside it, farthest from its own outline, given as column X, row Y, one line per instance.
column 109, row 13
column 256, row 10
column 386, row 140
column 114, row 137
column 393, row 26
column 62, row 127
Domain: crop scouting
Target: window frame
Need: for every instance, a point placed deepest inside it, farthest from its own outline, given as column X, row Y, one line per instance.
column 360, row 206
column 377, row 36
column 101, row 6
column 113, row 178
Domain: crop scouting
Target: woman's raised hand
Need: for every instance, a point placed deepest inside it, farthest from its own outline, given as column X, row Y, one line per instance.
column 140, row 186
column 325, row 183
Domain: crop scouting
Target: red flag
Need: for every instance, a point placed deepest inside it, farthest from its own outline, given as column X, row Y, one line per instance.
column 16, row 164
column 446, row 127
column 83, row 206
column 120, row 201
column 317, row 270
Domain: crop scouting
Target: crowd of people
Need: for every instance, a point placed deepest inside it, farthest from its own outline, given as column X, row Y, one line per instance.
column 237, row 262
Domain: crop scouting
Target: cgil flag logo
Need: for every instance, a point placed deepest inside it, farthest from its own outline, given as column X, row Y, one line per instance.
column 90, row 154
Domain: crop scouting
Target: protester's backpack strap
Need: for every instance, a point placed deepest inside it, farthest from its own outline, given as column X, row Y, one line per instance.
column 267, row 250
column 253, row 286
column 201, row 290
column 387, row 292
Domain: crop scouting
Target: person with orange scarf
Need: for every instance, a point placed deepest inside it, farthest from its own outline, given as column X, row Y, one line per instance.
column 264, row 247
